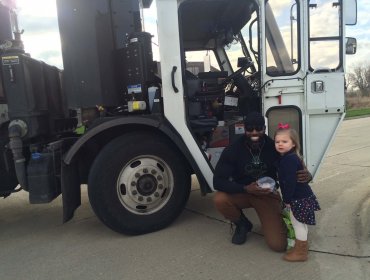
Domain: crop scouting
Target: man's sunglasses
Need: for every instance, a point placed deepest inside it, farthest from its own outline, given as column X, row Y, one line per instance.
column 250, row 128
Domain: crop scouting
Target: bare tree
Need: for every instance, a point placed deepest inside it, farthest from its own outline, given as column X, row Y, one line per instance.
column 360, row 79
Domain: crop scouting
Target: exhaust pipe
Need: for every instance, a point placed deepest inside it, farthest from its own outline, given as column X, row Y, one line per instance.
column 17, row 129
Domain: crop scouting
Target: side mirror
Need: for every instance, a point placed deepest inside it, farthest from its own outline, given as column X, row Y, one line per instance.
column 351, row 45
column 350, row 12
column 244, row 62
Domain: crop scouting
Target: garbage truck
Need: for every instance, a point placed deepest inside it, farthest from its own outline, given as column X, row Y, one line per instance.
column 136, row 129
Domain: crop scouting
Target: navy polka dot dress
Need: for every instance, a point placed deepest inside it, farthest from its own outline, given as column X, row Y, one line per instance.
column 304, row 209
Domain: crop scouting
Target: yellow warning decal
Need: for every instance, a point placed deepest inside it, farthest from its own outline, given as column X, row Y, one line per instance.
column 136, row 105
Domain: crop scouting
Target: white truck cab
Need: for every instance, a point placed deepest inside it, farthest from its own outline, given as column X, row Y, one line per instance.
column 293, row 67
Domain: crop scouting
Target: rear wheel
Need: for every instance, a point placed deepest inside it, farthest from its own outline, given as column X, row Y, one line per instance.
column 138, row 183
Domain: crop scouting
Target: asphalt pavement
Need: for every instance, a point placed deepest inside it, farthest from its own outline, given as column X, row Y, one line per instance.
column 36, row 245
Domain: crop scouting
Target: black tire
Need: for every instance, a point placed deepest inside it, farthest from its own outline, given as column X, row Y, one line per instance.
column 138, row 183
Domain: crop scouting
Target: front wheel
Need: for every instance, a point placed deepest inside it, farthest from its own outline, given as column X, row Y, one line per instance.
column 138, row 183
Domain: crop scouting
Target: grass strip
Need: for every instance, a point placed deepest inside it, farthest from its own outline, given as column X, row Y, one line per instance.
column 357, row 112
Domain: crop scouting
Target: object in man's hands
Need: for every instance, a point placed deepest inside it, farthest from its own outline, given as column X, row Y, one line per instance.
column 266, row 183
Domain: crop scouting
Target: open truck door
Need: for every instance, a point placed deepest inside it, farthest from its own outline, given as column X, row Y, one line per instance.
column 304, row 81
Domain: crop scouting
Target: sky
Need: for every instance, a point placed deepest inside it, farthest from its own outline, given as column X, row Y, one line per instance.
column 41, row 38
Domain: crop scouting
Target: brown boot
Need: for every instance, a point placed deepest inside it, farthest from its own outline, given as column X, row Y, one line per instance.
column 298, row 253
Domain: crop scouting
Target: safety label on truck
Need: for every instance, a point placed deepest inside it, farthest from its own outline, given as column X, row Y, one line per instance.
column 231, row 101
column 10, row 60
column 239, row 128
column 134, row 88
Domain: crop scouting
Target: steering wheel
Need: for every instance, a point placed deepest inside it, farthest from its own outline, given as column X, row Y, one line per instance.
column 238, row 72
column 254, row 81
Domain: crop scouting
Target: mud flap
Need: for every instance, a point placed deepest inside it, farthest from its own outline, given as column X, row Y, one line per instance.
column 71, row 190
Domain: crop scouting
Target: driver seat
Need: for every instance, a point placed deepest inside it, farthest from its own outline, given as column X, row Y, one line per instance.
column 202, row 91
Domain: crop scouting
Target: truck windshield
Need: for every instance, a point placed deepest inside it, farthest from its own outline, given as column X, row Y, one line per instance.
column 281, row 22
column 245, row 44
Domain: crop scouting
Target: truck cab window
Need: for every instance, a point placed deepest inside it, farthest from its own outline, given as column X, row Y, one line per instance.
column 233, row 51
column 201, row 61
column 325, row 43
column 282, row 33
column 245, row 44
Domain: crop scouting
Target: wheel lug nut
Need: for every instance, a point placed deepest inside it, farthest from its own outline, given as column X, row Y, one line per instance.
column 145, row 170
column 159, row 177
column 140, row 198
column 156, row 194
column 160, row 186
column 149, row 199
column 134, row 192
column 137, row 175
column 153, row 171
column 133, row 183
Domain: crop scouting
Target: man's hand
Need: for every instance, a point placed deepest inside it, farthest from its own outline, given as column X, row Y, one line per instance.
column 253, row 188
column 303, row 176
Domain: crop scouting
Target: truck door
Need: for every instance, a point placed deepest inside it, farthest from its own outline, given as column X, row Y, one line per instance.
column 172, row 82
column 324, row 84
column 303, row 79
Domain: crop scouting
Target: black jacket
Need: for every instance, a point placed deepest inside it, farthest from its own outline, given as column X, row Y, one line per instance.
column 236, row 169
column 289, row 164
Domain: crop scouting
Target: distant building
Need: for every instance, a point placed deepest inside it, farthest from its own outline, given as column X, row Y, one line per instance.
column 197, row 66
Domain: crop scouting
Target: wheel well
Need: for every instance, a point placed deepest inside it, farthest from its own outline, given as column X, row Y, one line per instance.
column 89, row 151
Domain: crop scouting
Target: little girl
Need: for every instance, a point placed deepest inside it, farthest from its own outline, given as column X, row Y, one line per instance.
column 298, row 197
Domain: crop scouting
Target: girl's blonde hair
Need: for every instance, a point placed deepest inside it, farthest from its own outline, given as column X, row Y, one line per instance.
column 293, row 136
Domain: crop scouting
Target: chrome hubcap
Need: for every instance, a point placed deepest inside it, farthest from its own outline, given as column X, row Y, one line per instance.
column 145, row 185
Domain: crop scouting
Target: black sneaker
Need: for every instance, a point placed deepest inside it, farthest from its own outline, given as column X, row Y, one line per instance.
column 243, row 226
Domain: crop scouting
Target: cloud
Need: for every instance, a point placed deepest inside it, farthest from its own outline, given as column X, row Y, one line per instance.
column 37, row 8
column 361, row 57
column 44, row 46
column 280, row 6
column 49, row 54
column 41, row 37
column 35, row 25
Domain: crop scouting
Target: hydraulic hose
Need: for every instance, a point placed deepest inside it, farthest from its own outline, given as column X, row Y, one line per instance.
column 16, row 146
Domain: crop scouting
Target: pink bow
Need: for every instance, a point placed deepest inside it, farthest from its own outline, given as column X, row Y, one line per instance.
column 283, row 126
